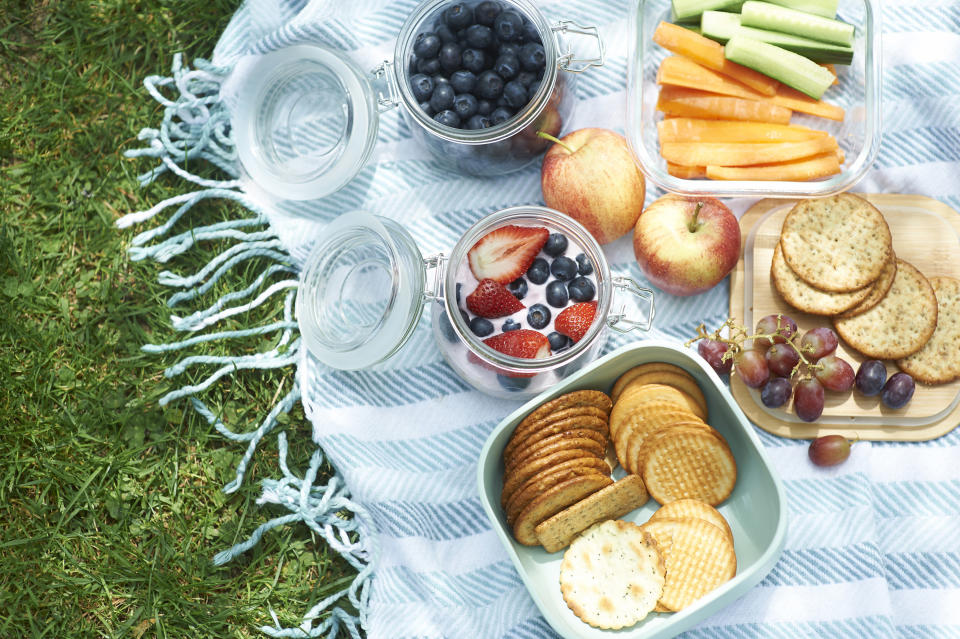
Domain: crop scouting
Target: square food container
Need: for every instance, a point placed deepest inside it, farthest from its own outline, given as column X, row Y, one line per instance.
column 858, row 92
column 756, row 510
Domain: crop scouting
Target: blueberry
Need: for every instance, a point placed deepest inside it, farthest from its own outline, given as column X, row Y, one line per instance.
column 479, row 36
column 518, row 287
column 581, row 289
column 448, row 118
column 538, row 317
column 507, row 66
column 484, row 107
column 529, row 32
column 450, row 56
column 532, row 90
column 427, row 45
column 442, row 97
column 500, row 115
column 444, row 33
column 465, row 106
column 458, row 16
column 425, row 106
column 478, row 122
column 515, row 94
column 557, row 294
column 508, row 26
column 584, row 265
column 509, row 48
column 513, row 383
column 439, row 79
column 510, row 325
column 558, row 342
column 486, row 12
column 489, row 85
column 526, row 78
column 481, row 326
column 474, row 60
column 539, row 271
column 556, row 245
column 422, row 86
column 563, row 268
column 463, row 81
column 429, row 66
column 532, row 56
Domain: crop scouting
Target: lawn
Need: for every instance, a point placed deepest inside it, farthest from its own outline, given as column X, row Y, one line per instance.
column 112, row 505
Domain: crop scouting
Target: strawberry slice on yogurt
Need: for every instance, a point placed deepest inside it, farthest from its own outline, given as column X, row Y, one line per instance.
column 506, row 253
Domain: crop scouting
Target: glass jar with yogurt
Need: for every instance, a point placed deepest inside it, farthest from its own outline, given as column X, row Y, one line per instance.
column 365, row 284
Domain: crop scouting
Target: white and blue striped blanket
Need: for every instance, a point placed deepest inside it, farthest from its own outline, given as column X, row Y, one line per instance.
column 873, row 548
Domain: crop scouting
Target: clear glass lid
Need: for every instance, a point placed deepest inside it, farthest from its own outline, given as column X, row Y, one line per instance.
column 305, row 122
column 361, row 291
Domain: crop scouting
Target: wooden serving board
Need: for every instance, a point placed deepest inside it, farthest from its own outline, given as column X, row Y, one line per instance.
column 926, row 233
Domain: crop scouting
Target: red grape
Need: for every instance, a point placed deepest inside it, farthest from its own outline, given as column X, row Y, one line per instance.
column 781, row 358
column 829, row 450
column 822, row 340
column 808, row 399
column 768, row 325
column 836, row 374
column 898, row 390
column 776, row 392
column 752, row 368
column 870, row 377
column 712, row 351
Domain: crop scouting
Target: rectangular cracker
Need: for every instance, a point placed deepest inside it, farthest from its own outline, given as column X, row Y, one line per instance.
column 611, row 502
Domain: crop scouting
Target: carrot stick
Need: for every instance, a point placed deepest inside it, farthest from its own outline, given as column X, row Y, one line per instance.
column 744, row 153
column 796, row 101
column 817, row 166
column 705, row 51
column 700, row 104
column 686, row 172
column 683, row 72
column 701, row 130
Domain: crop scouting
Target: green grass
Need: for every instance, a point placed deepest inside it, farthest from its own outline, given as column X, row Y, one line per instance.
column 111, row 505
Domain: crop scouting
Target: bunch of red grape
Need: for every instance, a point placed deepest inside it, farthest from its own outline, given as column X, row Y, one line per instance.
column 775, row 354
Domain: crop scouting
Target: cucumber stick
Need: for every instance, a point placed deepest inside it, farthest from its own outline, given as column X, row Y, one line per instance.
column 721, row 26
column 763, row 15
column 825, row 8
column 792, row 69
column 685, row 10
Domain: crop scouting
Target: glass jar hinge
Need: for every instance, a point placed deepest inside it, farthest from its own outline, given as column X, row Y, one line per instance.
column 438, row 265
column 568, row 61
column 620, row 320
column 386, row 86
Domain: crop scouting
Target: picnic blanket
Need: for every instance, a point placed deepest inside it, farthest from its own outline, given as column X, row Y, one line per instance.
column 873, row 548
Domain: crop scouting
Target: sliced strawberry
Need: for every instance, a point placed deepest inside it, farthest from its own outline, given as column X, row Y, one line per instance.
column 523, row 343
column 574, row 321
column 506, row 253
column 492, row 299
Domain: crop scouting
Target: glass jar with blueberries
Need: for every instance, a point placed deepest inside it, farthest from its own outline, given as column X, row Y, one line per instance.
column 525, row 298
column 475, row 81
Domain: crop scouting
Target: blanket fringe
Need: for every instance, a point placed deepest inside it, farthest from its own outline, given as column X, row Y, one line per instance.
column 196, row 128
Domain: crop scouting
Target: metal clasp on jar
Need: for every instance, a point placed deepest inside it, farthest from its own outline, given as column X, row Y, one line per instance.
column 567, row 61
column 385, row 86
column 433, row 290
column 619, row 319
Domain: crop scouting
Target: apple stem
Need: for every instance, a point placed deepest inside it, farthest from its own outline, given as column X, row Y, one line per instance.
column 547, row 136
column 695, row 223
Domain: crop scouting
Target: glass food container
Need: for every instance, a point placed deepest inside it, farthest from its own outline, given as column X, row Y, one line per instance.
column 306, row 117
column 858, row 92
column 364, row 286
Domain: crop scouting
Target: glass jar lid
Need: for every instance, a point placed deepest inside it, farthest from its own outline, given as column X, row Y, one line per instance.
column 305, row 123
column 361, row 291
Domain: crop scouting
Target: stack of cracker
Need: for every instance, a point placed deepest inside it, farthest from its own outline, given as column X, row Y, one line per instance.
column 835, row 258
column 659, row 429
column 556, row 479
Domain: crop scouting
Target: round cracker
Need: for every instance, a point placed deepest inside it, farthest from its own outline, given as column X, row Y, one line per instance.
column 539, row 483
column 584, row 422
column 513, row 483
column 693, row 508
column 633, row 397
column 682, row 382
column 525, row 471
column 594, row 398
column 589, row 440
column 692, row 464
column 938, row 362
column 520, row 435
column 649, row 367
column 900, row 324
column 645, row 420
column 552, row 501
column 698, row 558
column 634, row 453
column 800, row 295
column 878, row 291
column 612, row 575
column 838, row 243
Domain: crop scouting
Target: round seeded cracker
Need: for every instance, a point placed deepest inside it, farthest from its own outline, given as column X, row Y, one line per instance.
column 587, row 461
column 878, row 291
column 586, row 422
column 938, row 362
column 800, row 295
column 532, row 428
column 838, row 243
column 900, row 324
column 552, row 501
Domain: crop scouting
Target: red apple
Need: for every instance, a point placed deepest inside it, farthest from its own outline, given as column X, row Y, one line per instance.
column 590, row 175
column 686, row 245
